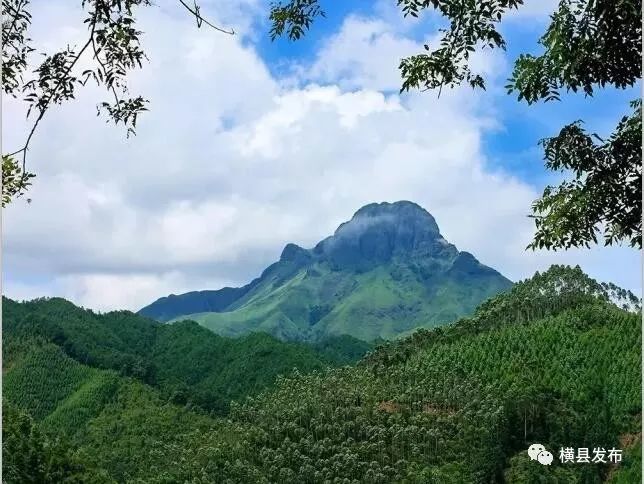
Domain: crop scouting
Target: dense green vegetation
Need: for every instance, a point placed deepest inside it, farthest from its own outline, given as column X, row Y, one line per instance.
column 552, row 362
column 556, row 360
column 383, row 274
column 30, row 456
column 51, row 340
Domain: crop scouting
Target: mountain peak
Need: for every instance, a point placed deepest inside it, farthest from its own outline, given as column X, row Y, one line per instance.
column 379, row 231
column 401, row 207
column 401, row 213
column 381, row 274
column 294, row 253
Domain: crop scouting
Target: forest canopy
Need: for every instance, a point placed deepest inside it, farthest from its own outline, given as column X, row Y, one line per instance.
column 554, row 360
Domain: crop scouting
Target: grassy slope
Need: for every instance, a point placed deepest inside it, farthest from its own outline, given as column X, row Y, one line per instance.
column 367, row 306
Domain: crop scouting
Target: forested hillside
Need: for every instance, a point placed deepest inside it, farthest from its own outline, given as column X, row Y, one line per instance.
column 187, row 363
column 551, row 362
column 554, row 361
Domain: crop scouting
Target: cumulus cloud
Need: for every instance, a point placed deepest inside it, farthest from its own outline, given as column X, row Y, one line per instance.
column 366, row 51
column 232, row 163
column 364, row 54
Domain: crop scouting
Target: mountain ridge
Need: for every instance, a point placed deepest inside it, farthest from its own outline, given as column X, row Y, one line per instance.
column 382, row 273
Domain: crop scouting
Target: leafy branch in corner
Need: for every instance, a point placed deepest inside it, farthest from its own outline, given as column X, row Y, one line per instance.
column 605, row 192
column 113, row 42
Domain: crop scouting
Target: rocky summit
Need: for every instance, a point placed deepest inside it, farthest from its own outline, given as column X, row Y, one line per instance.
column 382, row 274
column 381, row 231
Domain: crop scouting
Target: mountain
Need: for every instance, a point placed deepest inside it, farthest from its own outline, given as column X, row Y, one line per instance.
column 185, row 362
column 382, row 274
column 552, row 361
column 169, row 307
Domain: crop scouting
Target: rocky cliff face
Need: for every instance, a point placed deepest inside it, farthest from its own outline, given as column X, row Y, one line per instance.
column 380, row 232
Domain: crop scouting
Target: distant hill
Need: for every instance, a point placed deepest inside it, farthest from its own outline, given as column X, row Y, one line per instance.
column 555, row 360
column 169, row 307
column 382, row 274
column 186, row 362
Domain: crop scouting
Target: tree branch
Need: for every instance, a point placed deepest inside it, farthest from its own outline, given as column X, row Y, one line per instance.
column 14, row 21
column 43, row 109
column 200, row 19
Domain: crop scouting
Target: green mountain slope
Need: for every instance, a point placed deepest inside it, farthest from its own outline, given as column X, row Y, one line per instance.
column 93, row 396
column 555, row 360
column 169, row 307
column 552, row 361
column 383, row 274
column 52, row 340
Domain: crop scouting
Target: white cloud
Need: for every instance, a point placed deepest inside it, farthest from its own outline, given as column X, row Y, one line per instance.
column 106, row 292
column 231, row 164
column 364, row 54
column 533, row 10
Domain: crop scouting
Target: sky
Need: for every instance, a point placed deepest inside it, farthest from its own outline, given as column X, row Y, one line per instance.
column 251, row 144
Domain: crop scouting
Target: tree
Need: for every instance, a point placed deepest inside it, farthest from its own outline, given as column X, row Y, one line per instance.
column 589, row 44
column 112, row 45
column 30, row 456
column 606, row 188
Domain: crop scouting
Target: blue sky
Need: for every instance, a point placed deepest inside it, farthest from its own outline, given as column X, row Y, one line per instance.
column 250, row 144
column 514, row 147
